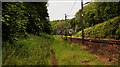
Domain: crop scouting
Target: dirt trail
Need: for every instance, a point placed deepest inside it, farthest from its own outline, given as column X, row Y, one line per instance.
column 53, row 59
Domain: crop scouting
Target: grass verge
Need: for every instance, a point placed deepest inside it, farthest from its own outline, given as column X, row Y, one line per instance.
column 31, row 51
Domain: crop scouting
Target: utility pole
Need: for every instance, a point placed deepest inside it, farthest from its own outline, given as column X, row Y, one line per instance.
column 65, row 27
column 82, row 16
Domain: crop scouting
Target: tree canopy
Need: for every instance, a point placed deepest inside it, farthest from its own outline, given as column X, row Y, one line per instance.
column 24, row 17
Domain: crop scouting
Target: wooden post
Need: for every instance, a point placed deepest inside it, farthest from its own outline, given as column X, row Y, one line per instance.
column 66, row 28
column 82, row 21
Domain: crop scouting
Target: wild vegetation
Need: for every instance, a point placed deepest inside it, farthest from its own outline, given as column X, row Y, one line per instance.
column 27, row 39
column 31, row 51
column 98, row 12
column 107, row 29
column 68, row 53
column 25, row 33
column 94, row 13
column 21, row 18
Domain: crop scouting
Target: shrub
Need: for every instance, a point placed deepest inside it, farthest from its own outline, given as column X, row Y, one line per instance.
column 108, row 29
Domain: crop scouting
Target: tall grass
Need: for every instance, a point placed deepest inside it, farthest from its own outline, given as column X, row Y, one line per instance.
column 31, row 51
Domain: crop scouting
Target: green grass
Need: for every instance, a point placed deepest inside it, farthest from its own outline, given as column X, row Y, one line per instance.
column 67, row 54
column 95, row 63
column 31, row 51
column 35, row 50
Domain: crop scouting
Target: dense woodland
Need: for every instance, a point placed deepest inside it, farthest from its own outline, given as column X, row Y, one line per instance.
column 23, row 18
column 25, row 33
column 94, row 13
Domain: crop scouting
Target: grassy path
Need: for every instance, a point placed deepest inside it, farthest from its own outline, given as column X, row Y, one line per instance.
column 68, row 53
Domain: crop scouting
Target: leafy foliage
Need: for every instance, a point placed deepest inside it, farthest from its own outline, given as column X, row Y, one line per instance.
column 108, row 29
column 94, row 13
column 19, row 47
column 98, row 12
column 20, row 18
column 38, row 18
column 14, row 20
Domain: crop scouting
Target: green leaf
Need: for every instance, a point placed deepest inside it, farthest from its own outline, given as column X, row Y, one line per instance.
column 7, row 16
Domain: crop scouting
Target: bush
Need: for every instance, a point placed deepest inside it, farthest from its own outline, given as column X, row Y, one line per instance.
column 108, row 29
column 45, row 35
column 22, row 18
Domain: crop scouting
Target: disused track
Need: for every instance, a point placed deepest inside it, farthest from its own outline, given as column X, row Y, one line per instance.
column 108, row 41
column 106, row 50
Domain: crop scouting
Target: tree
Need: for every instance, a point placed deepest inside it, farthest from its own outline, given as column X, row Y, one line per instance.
column 20, row 18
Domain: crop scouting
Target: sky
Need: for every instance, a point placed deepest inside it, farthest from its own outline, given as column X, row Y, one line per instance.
column 58, row 9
